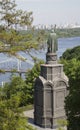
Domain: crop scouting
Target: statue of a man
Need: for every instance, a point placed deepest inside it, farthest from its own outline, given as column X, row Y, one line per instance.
column 52, row 46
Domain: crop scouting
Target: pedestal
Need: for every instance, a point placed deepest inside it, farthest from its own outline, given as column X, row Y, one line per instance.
column 50, row 91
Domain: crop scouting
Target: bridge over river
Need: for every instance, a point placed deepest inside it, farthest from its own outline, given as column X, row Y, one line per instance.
column 10, row 64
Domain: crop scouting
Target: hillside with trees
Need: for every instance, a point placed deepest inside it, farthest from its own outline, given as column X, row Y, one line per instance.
column 15, row 96
column 68, row 32
column 71, row 61
column 72, row 53
column 12, row 96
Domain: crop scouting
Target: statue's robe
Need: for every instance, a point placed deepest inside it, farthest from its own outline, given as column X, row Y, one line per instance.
column 52, row 43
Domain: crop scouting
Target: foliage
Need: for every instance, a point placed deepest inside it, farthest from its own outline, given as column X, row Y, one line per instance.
column 10, row 116
column 23, row 89
column 68, row 32
column 16, row 94
column 62, row 124
column 31, row 75
column 17, row 87
column 70, row 66
column 11, row 19
column 2, row 71
column 72, row 101
column 13, row 42
column 72, row 53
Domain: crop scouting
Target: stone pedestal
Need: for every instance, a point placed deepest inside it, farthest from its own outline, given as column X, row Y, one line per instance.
column 50, row 91
column 51, row 58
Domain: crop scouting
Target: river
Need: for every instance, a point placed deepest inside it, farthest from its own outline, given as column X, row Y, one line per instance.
column 7, row 62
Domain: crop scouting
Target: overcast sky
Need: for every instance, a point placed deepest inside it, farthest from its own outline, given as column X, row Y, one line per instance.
column 49, row 12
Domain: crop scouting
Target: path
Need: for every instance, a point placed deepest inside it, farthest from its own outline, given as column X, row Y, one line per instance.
column 29, row 114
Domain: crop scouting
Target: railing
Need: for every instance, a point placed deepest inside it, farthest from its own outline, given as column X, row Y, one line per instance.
column 12, row 65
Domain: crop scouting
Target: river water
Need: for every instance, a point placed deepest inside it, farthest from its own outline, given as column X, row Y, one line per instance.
column 7, row 62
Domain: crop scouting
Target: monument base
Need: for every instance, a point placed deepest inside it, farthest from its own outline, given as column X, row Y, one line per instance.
column 48, row 122
column 50, row 90
column 51, row 58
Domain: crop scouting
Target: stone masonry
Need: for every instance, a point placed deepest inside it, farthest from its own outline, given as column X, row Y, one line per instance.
column 50, row 90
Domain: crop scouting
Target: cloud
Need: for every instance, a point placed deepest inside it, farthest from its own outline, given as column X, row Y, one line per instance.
column 39, row 0
column 28, row 0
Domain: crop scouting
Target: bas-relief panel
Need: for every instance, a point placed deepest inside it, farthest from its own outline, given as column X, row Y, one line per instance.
column 51, row 57
column 59, row 99
column 48, row 102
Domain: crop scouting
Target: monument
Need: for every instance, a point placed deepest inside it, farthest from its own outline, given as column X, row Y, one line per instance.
column 52, row 43
column 50, row 89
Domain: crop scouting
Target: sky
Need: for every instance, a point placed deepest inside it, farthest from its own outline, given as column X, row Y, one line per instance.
column 50, row 12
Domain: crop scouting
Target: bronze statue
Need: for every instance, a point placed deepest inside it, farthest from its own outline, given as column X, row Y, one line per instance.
column 52, row 43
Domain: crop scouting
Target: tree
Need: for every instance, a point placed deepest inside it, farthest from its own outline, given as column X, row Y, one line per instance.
column 11, row 118
column 11, row 39
column 22, row 89
column 72, row 53
column 31, row 75
column 10, row 17
column 12, row 96
column 17, row 87
column 72, row 101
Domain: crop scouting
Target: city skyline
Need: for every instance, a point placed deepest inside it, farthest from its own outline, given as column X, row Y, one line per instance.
column 50, row 12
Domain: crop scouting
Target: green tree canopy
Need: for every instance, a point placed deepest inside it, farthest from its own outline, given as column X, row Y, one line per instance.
column 31, row 75
column 17, row 87
column 72, row 53
column 72, row 101
column 11, row 19
column 11, row 118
